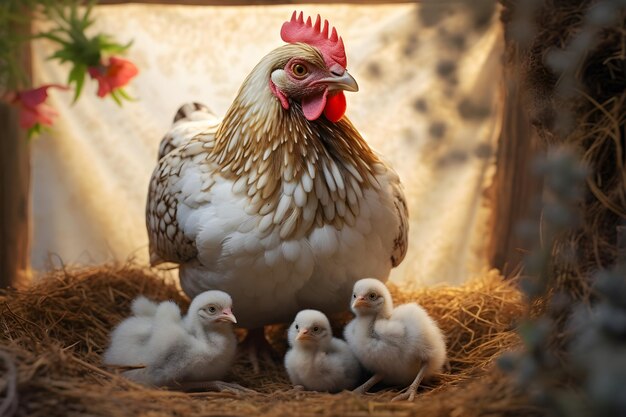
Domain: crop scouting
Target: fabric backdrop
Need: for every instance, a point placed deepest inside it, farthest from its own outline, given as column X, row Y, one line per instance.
column 429, row 82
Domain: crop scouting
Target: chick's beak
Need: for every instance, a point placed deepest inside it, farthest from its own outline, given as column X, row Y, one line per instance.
column 360, row 302
column 304, row 335
column 227, row 316
column 340, row 81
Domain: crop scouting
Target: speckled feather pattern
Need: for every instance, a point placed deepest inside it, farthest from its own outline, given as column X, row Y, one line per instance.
column 280, row 212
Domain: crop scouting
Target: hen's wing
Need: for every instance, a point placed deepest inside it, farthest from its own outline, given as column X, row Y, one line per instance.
column 179, row 179
column 400, row 242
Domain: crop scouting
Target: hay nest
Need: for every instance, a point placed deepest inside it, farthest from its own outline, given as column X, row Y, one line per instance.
column 54, row 332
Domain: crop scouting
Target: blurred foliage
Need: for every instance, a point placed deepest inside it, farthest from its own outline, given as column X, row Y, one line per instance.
column 75, row 47
column 574, row 357
column 70, row 21
column 15, row 18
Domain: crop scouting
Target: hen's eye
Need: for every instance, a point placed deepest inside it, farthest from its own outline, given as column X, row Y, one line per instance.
column 212, row 309
column 316, row 329
column 299, row 70
column 372, row 296
column 353, row 295
column 297, row 327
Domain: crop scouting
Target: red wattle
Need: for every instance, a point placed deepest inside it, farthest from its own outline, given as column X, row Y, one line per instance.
column 335, row 107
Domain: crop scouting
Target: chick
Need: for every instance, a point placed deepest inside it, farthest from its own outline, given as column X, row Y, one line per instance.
column 399, row 346
column 189, row 353
column 130, row 337
column 318, row 361
column 141, row 306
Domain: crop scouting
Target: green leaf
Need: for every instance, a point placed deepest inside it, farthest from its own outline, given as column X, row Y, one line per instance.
column 86, row 21
column 106, row 44
column 77, row 76
column 53, row 38
column 34, row 131
column 123, row 94
column 116, row 98
column 73, row 14
column 61, row 55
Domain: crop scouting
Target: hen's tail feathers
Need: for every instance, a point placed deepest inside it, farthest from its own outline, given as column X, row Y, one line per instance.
column 188, row 112
column 193, row 111
column 143, row 307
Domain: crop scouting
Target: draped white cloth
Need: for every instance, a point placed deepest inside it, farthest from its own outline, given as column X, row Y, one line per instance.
column 428, row 101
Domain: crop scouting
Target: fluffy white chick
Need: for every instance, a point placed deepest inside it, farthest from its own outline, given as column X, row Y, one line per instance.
column 400, row 346
column 191, row 352
column 317, row 360
column 130, row 337
column 142, row 307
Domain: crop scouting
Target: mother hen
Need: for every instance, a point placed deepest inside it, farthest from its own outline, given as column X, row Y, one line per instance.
column 281, row 203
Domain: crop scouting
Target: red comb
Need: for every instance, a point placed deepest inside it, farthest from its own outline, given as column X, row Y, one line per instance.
column 331, row 47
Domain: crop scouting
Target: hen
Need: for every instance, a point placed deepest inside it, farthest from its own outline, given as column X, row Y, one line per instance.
column 281, row 203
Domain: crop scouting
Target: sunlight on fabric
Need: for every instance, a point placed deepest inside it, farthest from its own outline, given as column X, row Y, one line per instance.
column 428, row 101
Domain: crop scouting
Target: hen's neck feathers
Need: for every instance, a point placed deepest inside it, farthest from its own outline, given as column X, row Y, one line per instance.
column 298, row 172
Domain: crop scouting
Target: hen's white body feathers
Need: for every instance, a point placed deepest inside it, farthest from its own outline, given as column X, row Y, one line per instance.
column 241, row 253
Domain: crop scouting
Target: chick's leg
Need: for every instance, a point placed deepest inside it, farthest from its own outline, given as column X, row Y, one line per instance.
column 375, row 379
column 410, row 392
column 256, row 344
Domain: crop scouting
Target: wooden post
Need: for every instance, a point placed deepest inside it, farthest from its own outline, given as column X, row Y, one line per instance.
column 14, row 190
column 514, row 189
column 14, row 198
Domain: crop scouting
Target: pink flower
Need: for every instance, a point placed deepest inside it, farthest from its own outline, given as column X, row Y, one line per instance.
column 33, row 109
column 115, row 75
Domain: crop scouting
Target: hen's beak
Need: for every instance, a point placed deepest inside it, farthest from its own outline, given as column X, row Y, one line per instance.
column 360, row 302
column 304, row 335
column 343, row 81
column 227, row 316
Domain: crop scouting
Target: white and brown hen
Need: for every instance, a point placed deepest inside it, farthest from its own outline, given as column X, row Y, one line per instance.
column 281, row 203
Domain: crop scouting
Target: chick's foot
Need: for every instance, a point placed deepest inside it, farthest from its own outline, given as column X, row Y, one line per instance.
column 409, row 395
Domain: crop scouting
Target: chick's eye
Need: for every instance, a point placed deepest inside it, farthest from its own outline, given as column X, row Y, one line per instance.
column 353, row 295
column 212, row 309
column 372, row 296
column 297, row 327
column 299, row 70
column 316, row 329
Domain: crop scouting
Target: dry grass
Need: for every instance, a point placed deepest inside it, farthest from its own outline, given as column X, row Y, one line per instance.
column 55, row 331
